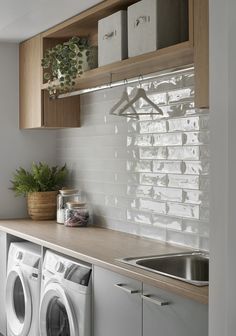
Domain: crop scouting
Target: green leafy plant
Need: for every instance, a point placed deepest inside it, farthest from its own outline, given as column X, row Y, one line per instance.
column 67, row 61
column 40, row 178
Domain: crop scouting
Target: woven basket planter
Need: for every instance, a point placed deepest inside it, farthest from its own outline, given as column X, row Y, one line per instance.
column 42, row 205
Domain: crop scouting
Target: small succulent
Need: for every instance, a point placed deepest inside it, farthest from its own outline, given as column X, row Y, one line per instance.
column 65, row 62
column 40, row 178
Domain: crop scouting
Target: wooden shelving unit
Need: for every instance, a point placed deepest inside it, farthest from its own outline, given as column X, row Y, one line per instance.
column 171, row 57
column 192, row 50
column 87, row 24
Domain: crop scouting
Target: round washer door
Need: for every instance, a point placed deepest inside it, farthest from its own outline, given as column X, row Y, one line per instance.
column 18, row 303
column 56, row 313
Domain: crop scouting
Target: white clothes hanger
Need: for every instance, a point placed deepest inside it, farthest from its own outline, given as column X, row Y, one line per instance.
column 124, row 100
column 141, row 93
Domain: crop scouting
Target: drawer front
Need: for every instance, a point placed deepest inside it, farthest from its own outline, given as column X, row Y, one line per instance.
column 117, row 304
column 166, row 314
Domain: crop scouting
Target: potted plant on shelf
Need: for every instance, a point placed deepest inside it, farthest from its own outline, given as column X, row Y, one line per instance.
column 40, row 185
column 67, row 61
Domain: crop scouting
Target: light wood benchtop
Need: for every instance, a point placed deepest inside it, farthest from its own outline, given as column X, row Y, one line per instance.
column 102, row 247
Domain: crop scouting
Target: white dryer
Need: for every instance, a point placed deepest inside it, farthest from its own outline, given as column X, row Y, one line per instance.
column 65, row 308
column 23, row 289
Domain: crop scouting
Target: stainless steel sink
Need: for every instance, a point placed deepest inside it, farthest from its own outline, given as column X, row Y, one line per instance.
column 191, row 267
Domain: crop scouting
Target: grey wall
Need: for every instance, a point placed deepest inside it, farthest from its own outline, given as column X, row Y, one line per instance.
column 223, row 163
column 17, row 148
column 147, row 177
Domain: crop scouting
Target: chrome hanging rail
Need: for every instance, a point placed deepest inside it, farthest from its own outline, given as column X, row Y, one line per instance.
column 126, row 82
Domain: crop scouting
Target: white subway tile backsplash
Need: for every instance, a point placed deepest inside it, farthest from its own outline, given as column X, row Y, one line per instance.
column 176, row 167
column 157, row 98
column 180, row 238
column 153, row 153
column 174, row 223
column 141, row 217
column 140, row 140
column 168, row 139
column 196, row 138
column 150, row 176
column 153, row 179
column 140, row 191
column 196, row 197
column 197, row 168
column 167, row 194
column 176, row 110
column 111, row 212
column 183, row 181
column 157, row 207
column 204, row 243
column 120, row 202
column 183, row 210
column 188, row 79
column 167, row 83
column 188, row 124
column 140, row 166
column 115, row 224
column 180, row 95
column 153, row 232
column 183, row 153
column 124, row 177
column 153, row 126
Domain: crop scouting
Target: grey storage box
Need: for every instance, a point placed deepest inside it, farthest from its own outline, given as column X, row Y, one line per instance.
column 112, row 38
column 155, row 24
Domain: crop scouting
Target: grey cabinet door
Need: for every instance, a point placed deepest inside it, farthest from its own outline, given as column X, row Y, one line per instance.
column 181, row 317
column 117, row 311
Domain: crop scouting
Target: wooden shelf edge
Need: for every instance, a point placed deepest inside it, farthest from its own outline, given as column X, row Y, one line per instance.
column 174, row 56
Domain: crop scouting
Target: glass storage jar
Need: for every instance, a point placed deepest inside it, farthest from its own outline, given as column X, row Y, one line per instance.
column 76, row 214
column 64, row 196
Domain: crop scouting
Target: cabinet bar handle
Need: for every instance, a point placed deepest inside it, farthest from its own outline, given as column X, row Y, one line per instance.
column 156, row 301
column 126, row 288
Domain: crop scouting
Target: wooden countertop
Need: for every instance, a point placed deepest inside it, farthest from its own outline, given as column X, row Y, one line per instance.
column 102, row 247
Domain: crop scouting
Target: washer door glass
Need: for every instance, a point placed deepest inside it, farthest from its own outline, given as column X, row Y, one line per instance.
column 57, row 322
column 57, row 316
column 18, row 303
column 19, row 300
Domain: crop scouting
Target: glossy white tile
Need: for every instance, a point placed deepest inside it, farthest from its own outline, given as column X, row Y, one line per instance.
column 175, row 167
column 183, row 210
column 141, row 217
column 150, row 176
column 153, row 153
column 174, row 223
column 184, row 239
column 153, row 179
column 183, row 181
column 180, row 95
column 150, row 205
column 168, row 139
column 167, row 194
column 153, row 126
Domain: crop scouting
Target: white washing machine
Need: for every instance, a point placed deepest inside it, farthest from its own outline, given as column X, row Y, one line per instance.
column 65, row 307
column 23, row 289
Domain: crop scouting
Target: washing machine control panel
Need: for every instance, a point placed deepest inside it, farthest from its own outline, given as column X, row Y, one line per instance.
column 66, row 269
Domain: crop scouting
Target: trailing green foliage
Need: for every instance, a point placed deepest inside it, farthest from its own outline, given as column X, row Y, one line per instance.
column 40, row 178
column 65, row 62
